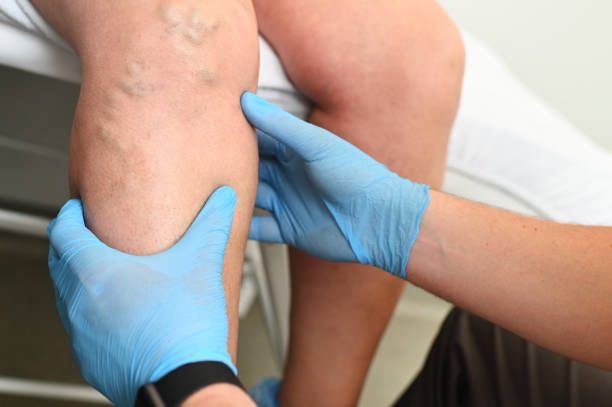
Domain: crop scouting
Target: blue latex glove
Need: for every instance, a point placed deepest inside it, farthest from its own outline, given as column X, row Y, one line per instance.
column 133, row 319
column 329, row 198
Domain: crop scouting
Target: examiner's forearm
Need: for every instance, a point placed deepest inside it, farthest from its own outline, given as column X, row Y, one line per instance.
column 550, row 283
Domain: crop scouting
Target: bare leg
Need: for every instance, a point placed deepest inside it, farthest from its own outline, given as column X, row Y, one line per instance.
column 387, row 77
column 158, row 125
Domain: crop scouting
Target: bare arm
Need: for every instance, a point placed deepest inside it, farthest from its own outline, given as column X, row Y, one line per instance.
column 219, row 395
column 158, row 125
column 550, row 283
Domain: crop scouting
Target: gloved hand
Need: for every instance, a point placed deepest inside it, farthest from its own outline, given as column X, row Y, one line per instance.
column 133, row 319
column 329, row 198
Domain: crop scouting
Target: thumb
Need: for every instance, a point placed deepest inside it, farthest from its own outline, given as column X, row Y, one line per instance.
column 308, row 141
column 69, row 227
column 213, row 224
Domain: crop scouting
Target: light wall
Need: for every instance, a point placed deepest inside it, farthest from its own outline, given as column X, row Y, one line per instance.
column 561, row 49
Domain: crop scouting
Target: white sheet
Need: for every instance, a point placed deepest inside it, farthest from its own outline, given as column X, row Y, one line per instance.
column 505, row 136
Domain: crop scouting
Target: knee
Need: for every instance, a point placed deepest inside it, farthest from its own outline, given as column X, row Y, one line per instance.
column 420, row 69
column 431, row 80
column 415, row 78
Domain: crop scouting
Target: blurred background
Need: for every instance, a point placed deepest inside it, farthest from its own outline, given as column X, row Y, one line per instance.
column 559, row 49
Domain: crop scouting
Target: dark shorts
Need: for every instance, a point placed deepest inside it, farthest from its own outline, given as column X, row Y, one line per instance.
column 474, row 363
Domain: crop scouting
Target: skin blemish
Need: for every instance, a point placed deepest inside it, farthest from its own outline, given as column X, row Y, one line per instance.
column 193, row 35
column 111, row 99
column 192, row 25
column 171, row 17
column 131, row 88
column 108, row 115
column 208, row 75
column 135, row 68
column 198, row 28
column 196, row 20
column 113, row 143
column 107, row 138
column 134, row 85
column 103, row 133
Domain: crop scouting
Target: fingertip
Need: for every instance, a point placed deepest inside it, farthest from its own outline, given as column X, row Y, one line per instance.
column 254, row 107
column 224, row 196
column 72, row 204
column 72, row 209
column 304, row 138
column 246, row 103
column 245, row 97
column 220, row 205
column 70, row 214
column 251, row 99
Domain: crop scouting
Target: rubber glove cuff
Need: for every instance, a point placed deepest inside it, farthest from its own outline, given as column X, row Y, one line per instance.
column 395, row 226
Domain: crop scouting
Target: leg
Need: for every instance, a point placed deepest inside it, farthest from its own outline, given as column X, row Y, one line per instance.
column 387, row 77
column 476, row 363
column 158, row 125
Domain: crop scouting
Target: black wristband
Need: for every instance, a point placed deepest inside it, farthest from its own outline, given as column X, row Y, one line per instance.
column 175, row 387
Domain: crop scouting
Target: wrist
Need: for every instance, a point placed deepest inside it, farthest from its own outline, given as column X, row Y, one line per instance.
column 180, row 384
column 221, row 394
column 400, row 221
column 429, row 255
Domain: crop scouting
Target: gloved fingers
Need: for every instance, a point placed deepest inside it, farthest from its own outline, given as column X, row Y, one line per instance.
column 211, row 227
column 265, row 229
column 67, row 232
column 60, row 305
column 218, row 209
column 269, row 171
column 71, row 212
column 268, row 146
column 308, row 141
column 267, row 198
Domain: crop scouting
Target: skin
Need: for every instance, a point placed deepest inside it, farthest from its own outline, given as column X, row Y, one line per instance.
column 402, row 62
column 547, row 282
column 142, row 187
column 105, row 145
column 220, row 395
column 158, row 124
